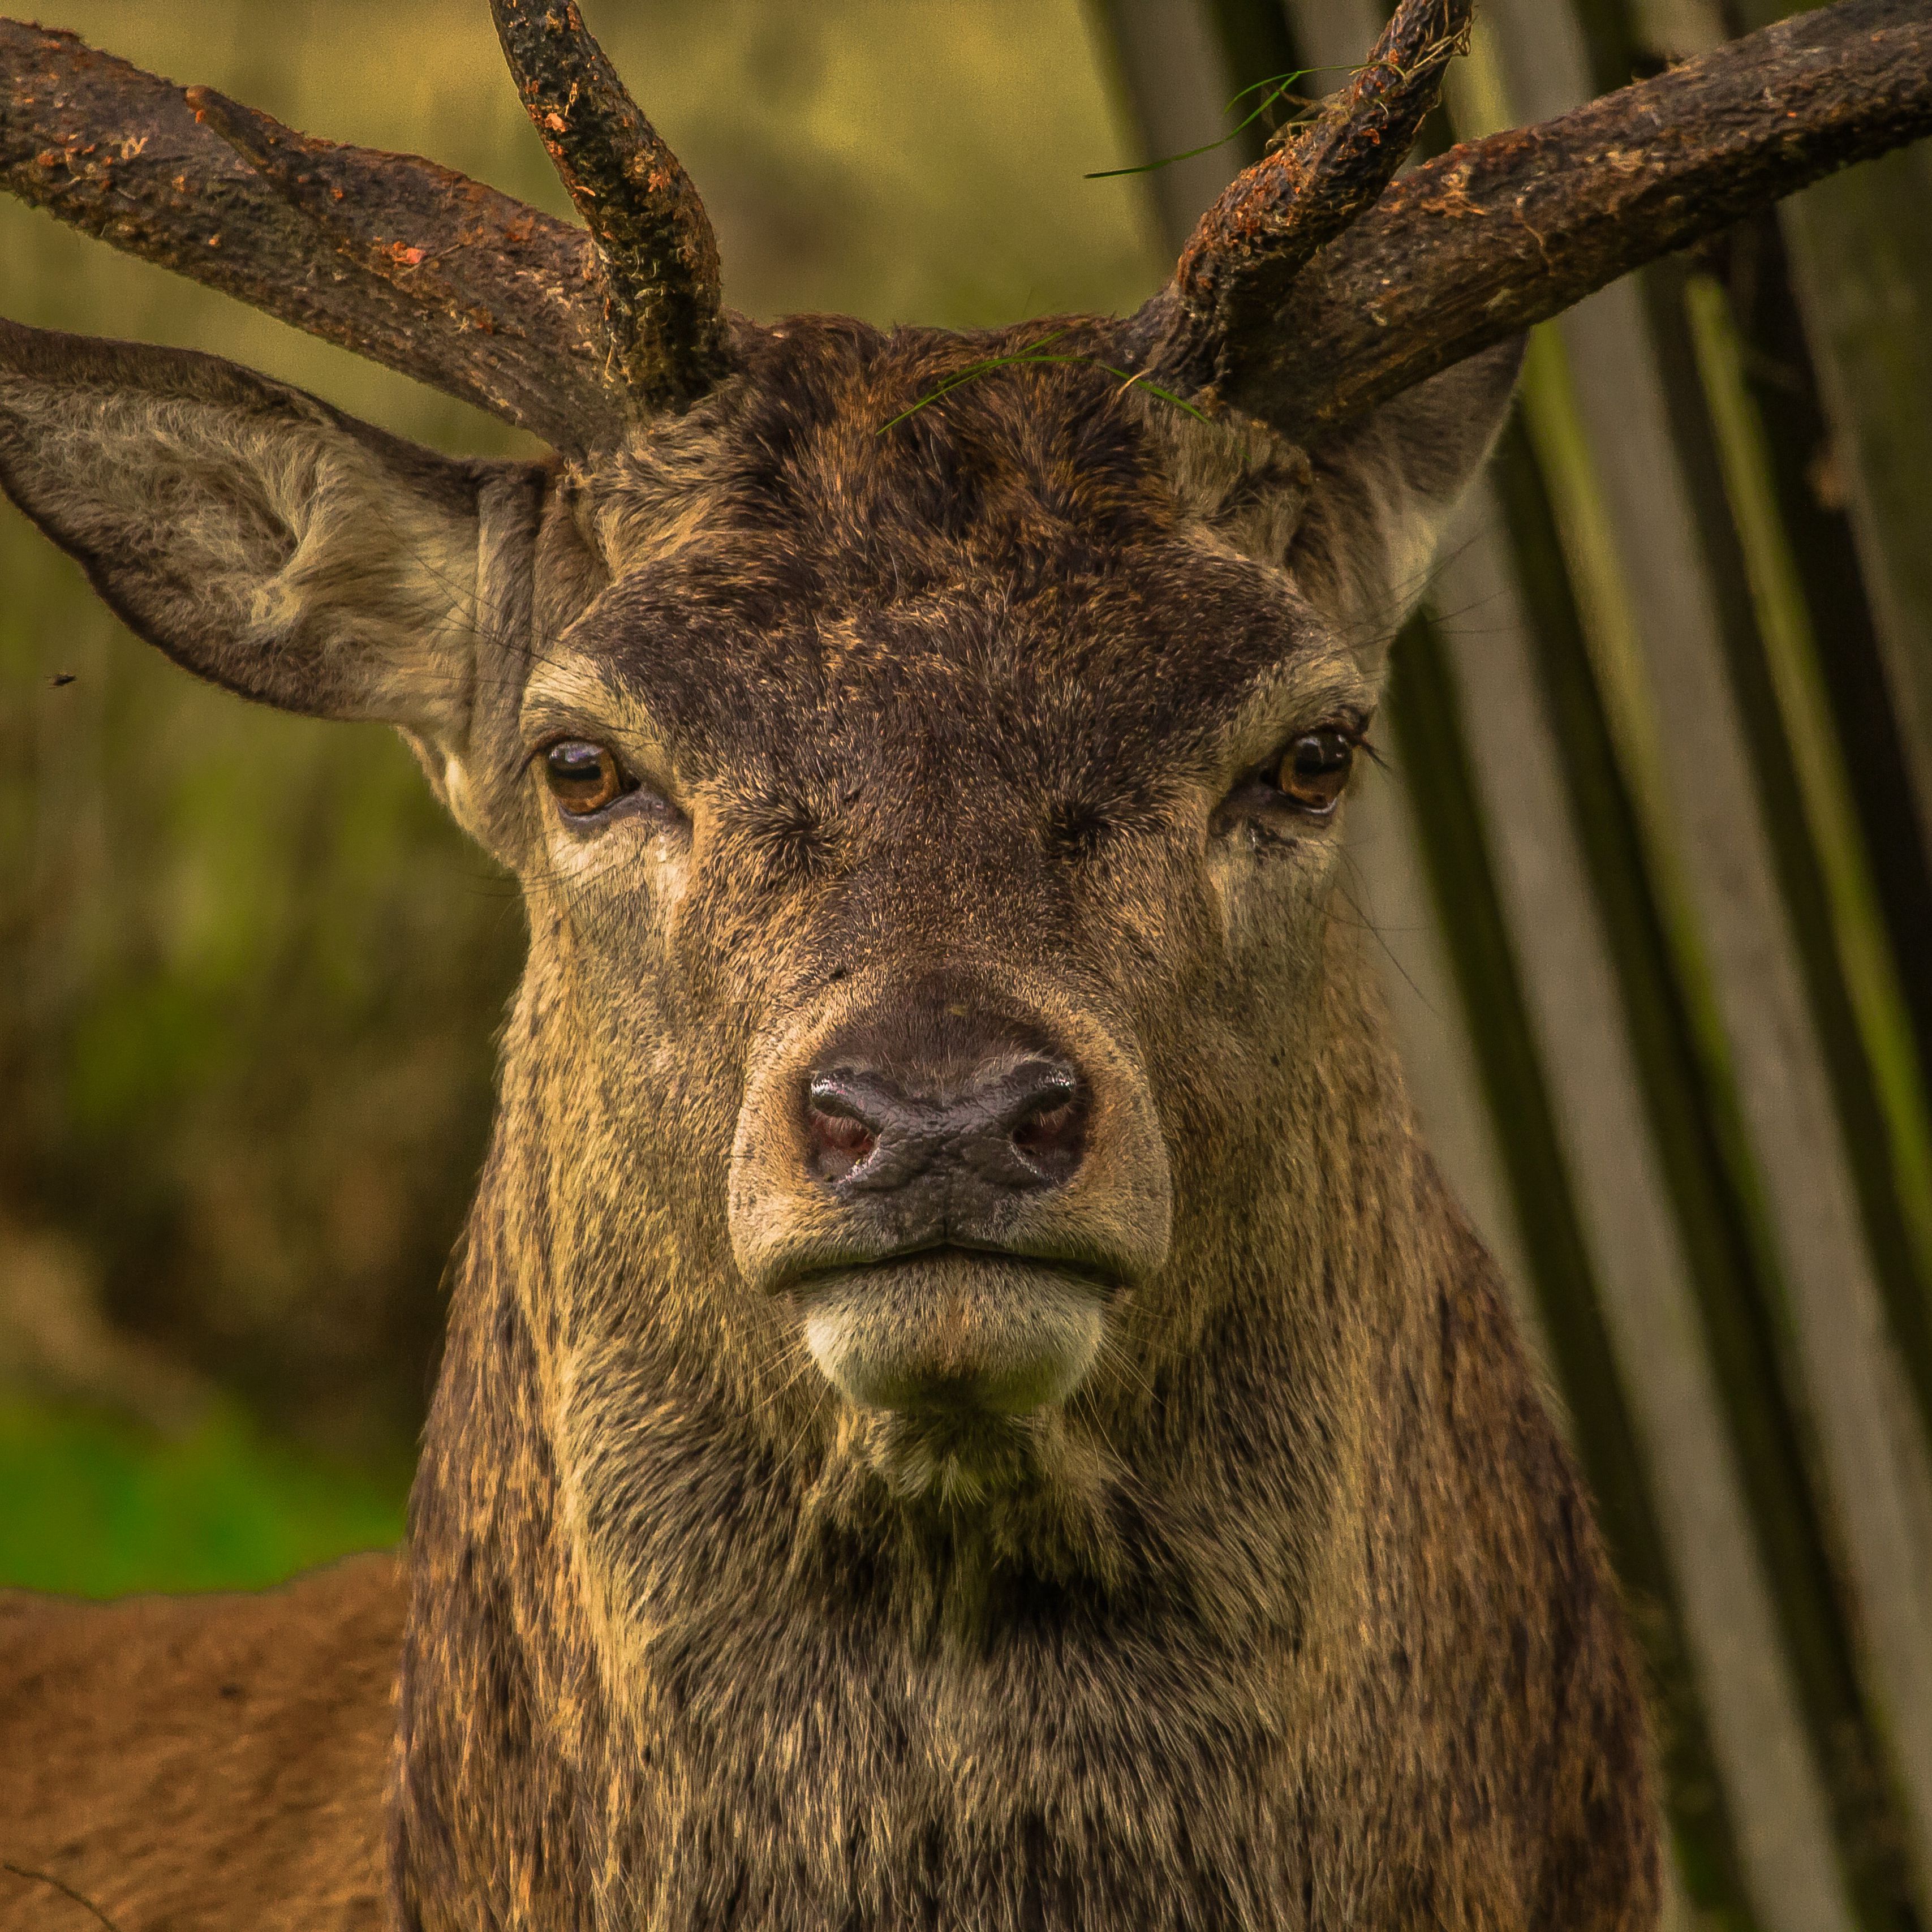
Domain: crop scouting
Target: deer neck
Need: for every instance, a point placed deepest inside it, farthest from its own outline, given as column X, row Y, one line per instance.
column 577, row 1680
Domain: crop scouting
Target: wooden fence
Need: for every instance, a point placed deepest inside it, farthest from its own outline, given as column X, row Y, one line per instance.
column 1651, row 869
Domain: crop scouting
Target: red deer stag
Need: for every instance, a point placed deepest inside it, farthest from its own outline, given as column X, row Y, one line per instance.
column 966, row 1404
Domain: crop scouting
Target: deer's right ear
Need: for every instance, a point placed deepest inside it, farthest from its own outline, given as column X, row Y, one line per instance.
column 262, row 539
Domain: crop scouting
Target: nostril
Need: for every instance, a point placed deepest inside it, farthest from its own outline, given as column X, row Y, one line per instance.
column 840, row 1131
column 1049, row 1133
column 841, row 1138
column 1049, row 1128
column 1016, row 1127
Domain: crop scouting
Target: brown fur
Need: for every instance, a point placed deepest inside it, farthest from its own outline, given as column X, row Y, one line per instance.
column 1292, row 1614
column 198, row 1763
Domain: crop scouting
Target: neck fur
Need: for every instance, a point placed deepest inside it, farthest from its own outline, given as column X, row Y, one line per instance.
column 732, row 1680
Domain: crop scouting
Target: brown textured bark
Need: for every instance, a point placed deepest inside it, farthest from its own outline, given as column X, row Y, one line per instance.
column 1500, row 233
column 412, row 265
column 663, row 316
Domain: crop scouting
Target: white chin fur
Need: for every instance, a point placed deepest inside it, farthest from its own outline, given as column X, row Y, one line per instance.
column 951, row 1331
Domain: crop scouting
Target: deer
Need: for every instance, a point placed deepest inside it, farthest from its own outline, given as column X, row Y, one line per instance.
column 966, row 1401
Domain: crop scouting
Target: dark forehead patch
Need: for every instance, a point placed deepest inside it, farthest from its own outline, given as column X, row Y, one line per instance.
column 847, row 467
column 923, row 455
column 1009, row 547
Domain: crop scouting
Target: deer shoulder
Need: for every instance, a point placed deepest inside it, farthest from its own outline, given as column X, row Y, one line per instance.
column 200, row 1762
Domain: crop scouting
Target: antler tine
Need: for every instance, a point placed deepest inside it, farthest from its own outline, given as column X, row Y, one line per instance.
column 664, row 313
column 1242, row 259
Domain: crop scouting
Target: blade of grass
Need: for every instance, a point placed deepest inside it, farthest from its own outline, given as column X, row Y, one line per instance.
column 1278, row 85
column 1129, row 378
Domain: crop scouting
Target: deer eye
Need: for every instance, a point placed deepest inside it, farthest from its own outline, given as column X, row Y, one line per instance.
column 584, row 778
column 1314, row 769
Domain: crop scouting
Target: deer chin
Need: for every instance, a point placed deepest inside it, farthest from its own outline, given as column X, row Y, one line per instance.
column 954, row 1338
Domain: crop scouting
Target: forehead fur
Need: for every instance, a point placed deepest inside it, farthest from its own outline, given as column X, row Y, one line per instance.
column 865, row 519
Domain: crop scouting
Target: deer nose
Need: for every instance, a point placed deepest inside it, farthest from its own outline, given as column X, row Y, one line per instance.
column 1010, row 1127
column 946, row 1150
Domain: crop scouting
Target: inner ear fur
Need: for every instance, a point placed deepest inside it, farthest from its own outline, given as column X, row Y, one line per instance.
column 1382, row 490
column 262, row 539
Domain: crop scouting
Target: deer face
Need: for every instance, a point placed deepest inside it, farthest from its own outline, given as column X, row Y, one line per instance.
column 935, row 767
column 928, row 805
column 929, row 827
column 929, row 832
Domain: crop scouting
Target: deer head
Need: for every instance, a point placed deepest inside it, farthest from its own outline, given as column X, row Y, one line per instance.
column 888, row 773
column 923, row 755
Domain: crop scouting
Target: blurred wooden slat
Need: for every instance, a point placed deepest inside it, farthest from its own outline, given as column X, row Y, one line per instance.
column 1778, row 1810
column 1846, row 1368
column 1845, row 1365
column 1843, row 940
column 1863, row 277
column 1783, row 366
column 1388, row 891
column 1562, row 1279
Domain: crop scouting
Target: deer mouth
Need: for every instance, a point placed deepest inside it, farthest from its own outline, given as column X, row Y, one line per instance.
column 954, row 1329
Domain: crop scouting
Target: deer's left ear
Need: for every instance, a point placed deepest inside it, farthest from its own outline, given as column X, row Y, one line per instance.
column 259, row 537
column 1382, row 490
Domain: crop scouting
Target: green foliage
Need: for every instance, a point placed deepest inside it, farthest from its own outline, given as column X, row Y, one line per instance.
column 1275, row 89
column 1034, row 353
column 97, row 1507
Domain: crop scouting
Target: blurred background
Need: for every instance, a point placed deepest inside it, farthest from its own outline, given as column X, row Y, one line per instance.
column 1649, row 867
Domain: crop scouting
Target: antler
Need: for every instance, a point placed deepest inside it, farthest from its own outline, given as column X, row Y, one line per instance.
column 663, row 314
column 1241, row 263
column 410, row 264
column 1500, row 233
column 1311, row 291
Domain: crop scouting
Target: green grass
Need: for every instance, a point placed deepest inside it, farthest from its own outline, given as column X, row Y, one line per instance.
column 96, row 1507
